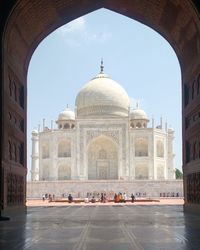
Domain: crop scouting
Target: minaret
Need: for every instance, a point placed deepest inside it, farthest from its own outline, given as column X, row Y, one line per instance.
column 35, row 156
column 43, row 121
column 152, row 122
column 166, row 126
column 170, row 162
column 161, row 123
column 51, row 124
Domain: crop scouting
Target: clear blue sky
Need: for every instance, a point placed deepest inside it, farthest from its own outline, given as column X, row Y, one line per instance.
column 134, row 55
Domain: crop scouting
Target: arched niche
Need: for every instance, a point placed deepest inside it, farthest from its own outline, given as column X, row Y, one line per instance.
column 141, row 147
column 160, row 149
column 64, row 149
column 45, row 151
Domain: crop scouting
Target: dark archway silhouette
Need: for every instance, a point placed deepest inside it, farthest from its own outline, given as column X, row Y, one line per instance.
column 24, row 24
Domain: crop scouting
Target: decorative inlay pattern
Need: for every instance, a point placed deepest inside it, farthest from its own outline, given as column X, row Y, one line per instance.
column 15, row 189
column 193, row 188
column 95, row 133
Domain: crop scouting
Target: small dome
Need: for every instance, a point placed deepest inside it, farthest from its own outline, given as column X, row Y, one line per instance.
column 138, row 114
column 170, row 130
column 66, row 115
column 102, row 96
column 34, row 132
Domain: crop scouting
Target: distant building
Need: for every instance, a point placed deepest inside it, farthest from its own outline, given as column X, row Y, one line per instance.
column 103, row 140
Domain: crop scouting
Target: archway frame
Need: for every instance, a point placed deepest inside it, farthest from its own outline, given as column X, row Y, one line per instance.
column 23, row 26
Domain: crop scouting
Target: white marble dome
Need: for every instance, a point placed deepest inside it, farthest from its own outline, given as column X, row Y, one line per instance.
column 102, row 96
column 138, row 114
column 66, row 115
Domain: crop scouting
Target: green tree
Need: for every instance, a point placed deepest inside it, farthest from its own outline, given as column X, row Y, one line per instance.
column 179, row 174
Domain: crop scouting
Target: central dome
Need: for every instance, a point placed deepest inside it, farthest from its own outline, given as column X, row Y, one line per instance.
column 102, row 96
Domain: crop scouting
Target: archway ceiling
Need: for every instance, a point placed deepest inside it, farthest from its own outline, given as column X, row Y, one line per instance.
column 32, row 21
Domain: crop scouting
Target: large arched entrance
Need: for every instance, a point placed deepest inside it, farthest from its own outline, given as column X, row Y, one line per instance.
column 102, row 159
column 25, row 23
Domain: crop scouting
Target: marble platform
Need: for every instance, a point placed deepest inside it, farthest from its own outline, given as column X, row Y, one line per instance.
column 80, row 189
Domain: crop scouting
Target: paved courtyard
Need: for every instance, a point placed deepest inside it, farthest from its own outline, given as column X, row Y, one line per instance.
column 109, row 227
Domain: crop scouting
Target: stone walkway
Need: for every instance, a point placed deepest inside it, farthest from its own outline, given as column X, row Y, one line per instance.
column 97, row 227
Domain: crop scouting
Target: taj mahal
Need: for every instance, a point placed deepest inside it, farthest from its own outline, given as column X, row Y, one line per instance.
column 103, row 139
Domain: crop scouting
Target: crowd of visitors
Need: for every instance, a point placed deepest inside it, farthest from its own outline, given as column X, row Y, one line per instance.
column 48, row 197
column 51, row 197
column 170, row 194
column 123, row 198
column 104, row 197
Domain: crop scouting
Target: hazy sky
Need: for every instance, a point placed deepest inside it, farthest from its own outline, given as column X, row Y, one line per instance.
column 134, row 55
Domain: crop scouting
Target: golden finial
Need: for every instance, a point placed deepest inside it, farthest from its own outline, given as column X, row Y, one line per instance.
column 101, row 67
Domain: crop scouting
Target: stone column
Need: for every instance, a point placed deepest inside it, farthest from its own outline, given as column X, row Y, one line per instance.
column 35, row 156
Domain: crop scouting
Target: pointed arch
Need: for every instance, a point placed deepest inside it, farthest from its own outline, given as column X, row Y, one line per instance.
column 141, row 147
column 102, row 159
column 160, row 149
column 64, row 148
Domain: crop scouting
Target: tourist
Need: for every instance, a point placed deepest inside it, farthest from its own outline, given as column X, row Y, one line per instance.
column 120, row 197
column 102, row 197
column 70, row 198
column 132, row 198
column 43, row 197
column 93, row 200
column 115, row 198
column 50, row 198
column 86, row 200
column 124, row 197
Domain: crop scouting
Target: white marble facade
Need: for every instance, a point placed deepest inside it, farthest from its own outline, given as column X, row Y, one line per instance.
column 104, row 139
